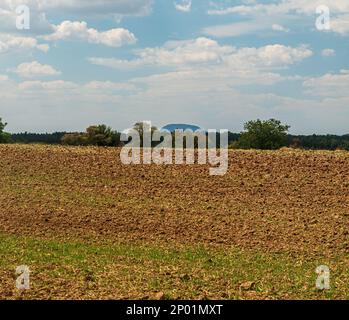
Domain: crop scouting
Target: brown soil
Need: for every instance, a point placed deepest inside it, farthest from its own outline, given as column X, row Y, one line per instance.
column 285, row 201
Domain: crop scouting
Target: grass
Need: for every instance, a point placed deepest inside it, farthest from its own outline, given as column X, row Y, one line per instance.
column 61, row 270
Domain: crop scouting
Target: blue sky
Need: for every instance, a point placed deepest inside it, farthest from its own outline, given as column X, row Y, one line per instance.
column 216, row 64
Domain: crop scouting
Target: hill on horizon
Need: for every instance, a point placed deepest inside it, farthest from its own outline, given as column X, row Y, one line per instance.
column 180, row 126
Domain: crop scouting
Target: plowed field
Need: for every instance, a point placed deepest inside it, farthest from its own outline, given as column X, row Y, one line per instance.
column 89, row 227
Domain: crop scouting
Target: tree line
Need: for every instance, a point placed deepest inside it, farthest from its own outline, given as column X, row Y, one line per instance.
column 258, row 134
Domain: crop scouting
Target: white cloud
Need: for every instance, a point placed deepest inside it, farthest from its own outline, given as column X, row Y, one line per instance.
column 184, row 5
column 235, row 29
column 328, row 53
column 116, row 63
column 291, row 12
column 9, row 43
column 283, row 7
column 76, row 30
column 329, row 85
column 278, row 27
column 40, row 87
column 61, row 93
column 173, row 53
column 84, row 8
column 35, row 69
column 72, row 88
column 109, row 86
column 270, row 56
column 341, row 24
column 176, row 53
column 207, row 52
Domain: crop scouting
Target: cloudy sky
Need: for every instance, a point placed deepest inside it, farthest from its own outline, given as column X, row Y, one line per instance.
column 214, row 63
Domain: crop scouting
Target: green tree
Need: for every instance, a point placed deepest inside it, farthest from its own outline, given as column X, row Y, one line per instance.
column 266, row 135
column 4, row 136
column 101, row 135
column 142, row 127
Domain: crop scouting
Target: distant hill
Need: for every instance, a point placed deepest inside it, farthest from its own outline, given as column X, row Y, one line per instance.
column 180, row 126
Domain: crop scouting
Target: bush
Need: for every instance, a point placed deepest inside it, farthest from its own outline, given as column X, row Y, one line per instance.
column 94, row 136
column 74, row 139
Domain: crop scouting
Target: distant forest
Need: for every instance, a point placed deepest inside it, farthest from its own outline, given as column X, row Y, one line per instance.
column 315, row 142
column 44, row 138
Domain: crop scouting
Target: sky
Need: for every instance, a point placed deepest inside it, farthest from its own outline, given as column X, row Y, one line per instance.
column 212, row 63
